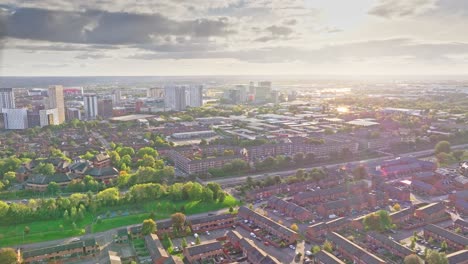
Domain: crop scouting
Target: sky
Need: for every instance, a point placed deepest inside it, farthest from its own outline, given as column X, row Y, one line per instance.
column 233, row 37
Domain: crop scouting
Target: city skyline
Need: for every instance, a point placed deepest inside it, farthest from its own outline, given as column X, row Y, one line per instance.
column 234, row 37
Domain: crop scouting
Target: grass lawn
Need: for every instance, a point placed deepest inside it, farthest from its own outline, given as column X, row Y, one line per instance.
column 40, row 231
column 162, row 209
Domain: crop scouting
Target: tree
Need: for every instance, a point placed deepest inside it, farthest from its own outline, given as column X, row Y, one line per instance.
column 231, row 210
column 412, row 259
column 360, row 172
column 442, row 146
column 46, row 169
column 315, row 249
column 7, row 256
column 147, row 151
column 396, row 207
column 26, row 230
column 434, row 257
column 184, row 243
column 221, row 196
column 148, row 227
column 207, row 195
column 328, row 246
column 215, row 188
column 178, row 220
column 53, row 188
column 3, row 209
column 443, row 246
column 294, row 227
column 198, row 240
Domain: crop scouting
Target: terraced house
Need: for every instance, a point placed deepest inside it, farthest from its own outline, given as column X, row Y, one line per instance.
column 352, row 251
column 204, row 252
column 290, row 209
column 87, row 247
column 452, row 239
column 390, row 245
column 282, row 233
column 254, row 254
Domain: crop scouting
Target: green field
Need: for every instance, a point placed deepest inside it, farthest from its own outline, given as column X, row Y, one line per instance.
column 40, row 231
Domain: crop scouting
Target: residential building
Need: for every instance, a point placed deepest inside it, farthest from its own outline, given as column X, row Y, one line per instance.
column 15, row 118
column 324, row 257
column 73, row 113
column 90, row 106
column 462, row 224
column 290, row 209
column 318, row 231
column 7, row 98
column 390, row 245
column 453, row 240
column 105, row 108
column 253, row 253
column 431, row 213
column 56, row 100
column 156, row 250
column 458, row 257
column 48, row 117
column 352, row 251
column 175, row 98
column 283, row 233
column 101, row 160
column 155, row 92
column 402, row 216
column 204, row 251
column 208, row 223
column 84, row 248
column 195, row 96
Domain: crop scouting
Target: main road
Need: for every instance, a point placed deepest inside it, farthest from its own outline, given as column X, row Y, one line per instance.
column 226, row 182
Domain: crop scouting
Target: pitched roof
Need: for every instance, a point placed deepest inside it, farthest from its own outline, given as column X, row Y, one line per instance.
column 327, row 258
column 432, row 208
column 458, row 257
column 101, row 172
column 283, row 229
column 155, row 247
column 461, row 222
column 204, row 248
column 454, row 237
column 63, row 247
column 206, row 219
column 354, row 249
column 391, row 243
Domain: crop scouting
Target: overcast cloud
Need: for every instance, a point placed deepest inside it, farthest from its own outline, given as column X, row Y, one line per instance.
column 176, row 37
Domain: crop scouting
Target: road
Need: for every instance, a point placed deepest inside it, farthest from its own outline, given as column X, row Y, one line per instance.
column 236, row 180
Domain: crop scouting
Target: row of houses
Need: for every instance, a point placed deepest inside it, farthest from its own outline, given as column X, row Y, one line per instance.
column 352, row 251
column 390, row 245
column 204, row 251
column 290, row 209
column 254, row 254
column 332, row 179
column 78, row 249
column 319, row 194
column 281, row 232
column 318, row 232
column 453, row 240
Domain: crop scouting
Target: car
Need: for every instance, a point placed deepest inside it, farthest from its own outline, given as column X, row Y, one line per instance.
column 76, row 239
column 192, row 243
column 233, row 227
column 207, row 233
column 258, row 238
column 266, row 243
column 292, row 247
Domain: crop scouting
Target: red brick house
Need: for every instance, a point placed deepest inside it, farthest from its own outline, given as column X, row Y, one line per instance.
column 453, row 240
column 432, row 213
column 352, row 251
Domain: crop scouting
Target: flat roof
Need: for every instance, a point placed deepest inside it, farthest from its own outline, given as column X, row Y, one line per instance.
column 126, row 118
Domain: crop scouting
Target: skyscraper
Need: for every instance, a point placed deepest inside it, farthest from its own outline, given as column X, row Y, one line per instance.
column 90, row 106
column 15, row 118
column 7, row 98
column 116, row 96
column 194, row 96
column 56, row 101
column 105, row 108
column 49, row 117
column 175, row 98
column 156, row 92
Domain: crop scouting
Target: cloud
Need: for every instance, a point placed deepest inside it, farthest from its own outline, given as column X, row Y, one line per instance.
column 290, row 22
column 373, row 49
column 402, row 8
column 101, row 27
column 279, row 30
column 94, row 56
